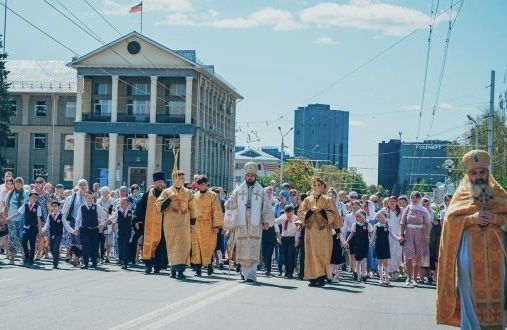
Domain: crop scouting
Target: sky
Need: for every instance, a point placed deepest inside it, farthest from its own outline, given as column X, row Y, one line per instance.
column 363, row 56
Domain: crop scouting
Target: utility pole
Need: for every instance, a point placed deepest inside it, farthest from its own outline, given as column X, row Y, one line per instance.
column 282, row 151
column 476, row 130
column 490, row 119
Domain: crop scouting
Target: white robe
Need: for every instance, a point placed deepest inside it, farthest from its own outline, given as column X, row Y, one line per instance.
column 394, row 246
column 246, row 223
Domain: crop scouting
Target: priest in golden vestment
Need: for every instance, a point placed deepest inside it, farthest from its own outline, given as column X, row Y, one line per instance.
column 149, row 221
column 179, row 213
column 471, row 265
column 318, row 215
column 209, row 221
column 247, row 211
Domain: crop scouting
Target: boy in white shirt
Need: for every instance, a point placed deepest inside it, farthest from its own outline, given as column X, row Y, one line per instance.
column 287, row 238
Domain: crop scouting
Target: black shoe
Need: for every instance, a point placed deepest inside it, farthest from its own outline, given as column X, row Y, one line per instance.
column 238, row 268
column 147, row 271
column 210, row 270
column 354, row 276
column 84, row 267
column 94, row 266
column 249, row 280
column 198, row 273
column 313, row 284
column 181, row 276
column 221, row 267
column 289, row 276
column 156, row 271
column 364, row 278
column 268, row 273
column 106, row 261
column 55, row 266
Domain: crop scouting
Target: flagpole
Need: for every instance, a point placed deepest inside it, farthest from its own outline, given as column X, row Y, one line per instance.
column 141, row 17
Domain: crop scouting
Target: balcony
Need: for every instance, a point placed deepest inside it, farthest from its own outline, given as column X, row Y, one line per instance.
column 161, row 118
column 91, row 117
column 123, row 117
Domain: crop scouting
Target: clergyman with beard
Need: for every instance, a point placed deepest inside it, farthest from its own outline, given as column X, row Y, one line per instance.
column 248, row 211
column 471, row 265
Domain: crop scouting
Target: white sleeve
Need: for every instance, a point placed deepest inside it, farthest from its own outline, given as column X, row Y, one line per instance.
column 101, row 214
column 442, row 215
column 39, row 211
column 66, row 225
column 46, row 224
column 78, row 219
column 353, row 228
column 21, row 210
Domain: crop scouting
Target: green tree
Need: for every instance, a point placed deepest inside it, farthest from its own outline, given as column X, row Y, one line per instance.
column 421, row 186
column 6, row 111
column 264, row 181
column 346, row 180
column 298, row 172
column 467, row 142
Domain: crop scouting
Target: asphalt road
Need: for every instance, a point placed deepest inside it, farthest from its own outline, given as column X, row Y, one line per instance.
column 110, row 297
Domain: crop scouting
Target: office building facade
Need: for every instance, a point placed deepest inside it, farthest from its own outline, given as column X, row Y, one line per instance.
column 402, row 164
column 322, row 134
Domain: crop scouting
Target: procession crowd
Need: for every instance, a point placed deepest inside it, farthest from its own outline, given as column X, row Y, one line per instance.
column 385, row 238
column 312, row 235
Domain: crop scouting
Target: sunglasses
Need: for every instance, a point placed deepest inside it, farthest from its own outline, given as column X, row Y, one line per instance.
column 39, row 181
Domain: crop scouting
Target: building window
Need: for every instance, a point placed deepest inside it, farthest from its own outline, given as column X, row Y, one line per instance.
column 171, row 143
column 138, row 109
column 259, row 166
column 8, row 167
column 137, row 144
column 102, row 89
column 70, row 109
column 174, row 107
column 102, row 107
column 39, row 171
column 179, row 90
column 41, row 109
column 11, row 141
column 13, row 106
column 39, row 141
column 138, row 89
column 102, row 176
column 69, row 142
column 68, row 173
column 102, row 143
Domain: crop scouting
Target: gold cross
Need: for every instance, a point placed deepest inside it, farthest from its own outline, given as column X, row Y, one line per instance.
column 257, row 195
column 242, row 195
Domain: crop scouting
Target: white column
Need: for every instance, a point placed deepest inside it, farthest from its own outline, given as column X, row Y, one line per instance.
column 152, row 148
column 79, row 153
column 153, row 104
column 112, row 161
column 188, row 101
column 186, row 154
column 114, row 99
column 79, row 101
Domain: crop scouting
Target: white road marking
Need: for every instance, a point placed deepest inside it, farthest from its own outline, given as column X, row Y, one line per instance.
column 160, row 318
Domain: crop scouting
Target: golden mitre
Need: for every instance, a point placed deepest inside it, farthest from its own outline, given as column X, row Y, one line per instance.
column 476, row 159
column 251, row 168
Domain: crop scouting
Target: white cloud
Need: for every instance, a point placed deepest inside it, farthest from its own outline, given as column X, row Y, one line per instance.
column 357, row 123
column 446, row 106
column 370, row 15
column 279, row 20
column 411, row 107
column 366, row 15
column 325, row 41
column 113, row 7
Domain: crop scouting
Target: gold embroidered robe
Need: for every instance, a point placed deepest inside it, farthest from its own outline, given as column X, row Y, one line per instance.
column 486, row 252
column 318, row 240
column 152, row 227
column 209, row 218
column 176, row 221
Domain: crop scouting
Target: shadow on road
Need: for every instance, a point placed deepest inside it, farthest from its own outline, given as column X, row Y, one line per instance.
column 335, row 288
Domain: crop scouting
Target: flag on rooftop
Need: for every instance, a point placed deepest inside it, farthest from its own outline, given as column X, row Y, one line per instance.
column 137, row 8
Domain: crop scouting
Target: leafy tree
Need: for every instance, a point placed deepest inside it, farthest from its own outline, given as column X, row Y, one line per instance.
column 346, row 180
column 421, row 186
column 6, row 111
column 264, row 181
column 298, row 172
column 467, row 142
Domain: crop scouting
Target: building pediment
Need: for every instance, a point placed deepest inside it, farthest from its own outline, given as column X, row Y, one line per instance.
column 133, row 50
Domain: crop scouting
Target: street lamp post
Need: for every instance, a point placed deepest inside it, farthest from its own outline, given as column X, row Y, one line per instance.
column 476, row 131
column 282, row 150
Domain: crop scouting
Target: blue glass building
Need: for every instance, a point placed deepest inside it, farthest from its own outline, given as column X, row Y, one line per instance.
column 322, row 134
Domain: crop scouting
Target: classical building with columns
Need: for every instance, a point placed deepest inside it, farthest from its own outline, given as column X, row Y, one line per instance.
column 139, row 102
